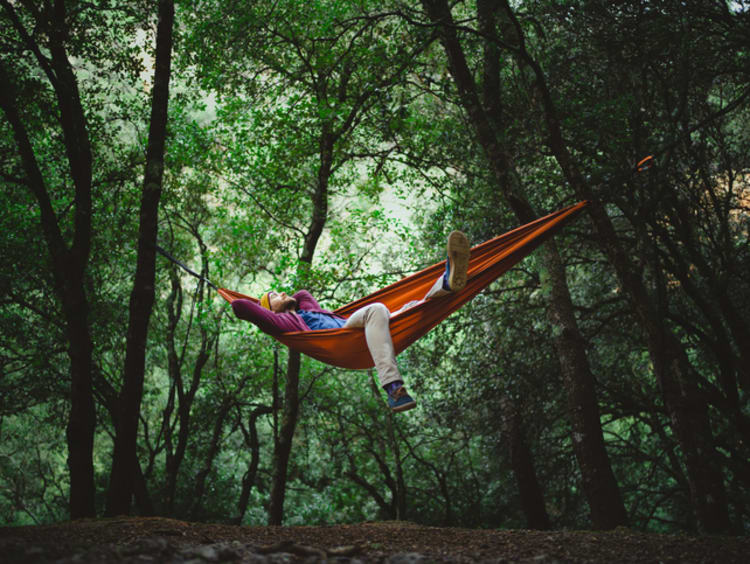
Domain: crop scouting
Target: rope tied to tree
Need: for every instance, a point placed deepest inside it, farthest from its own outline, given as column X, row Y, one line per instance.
column 185, row 267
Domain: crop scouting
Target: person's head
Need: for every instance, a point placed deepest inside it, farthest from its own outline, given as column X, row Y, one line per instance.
column 278, row 302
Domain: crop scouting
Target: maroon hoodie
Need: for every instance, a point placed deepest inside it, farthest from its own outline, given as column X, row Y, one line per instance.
column 275, row 323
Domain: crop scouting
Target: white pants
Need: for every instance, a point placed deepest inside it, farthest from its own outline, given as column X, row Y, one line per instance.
column 375, row 318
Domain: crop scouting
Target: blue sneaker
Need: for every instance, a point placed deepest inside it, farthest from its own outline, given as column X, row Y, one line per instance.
column 399, row 400
column 457, row 265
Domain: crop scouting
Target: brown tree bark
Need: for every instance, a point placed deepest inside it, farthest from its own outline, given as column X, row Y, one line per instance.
column 107, row 396
column 174, row 309
column 395, row 481
column 184, row 395
column 197, row 509
column 522, row 463
column 283, row 446
column 599, row 484
column 252, row 442
column 69, row 263
column 142, row 296
column 686, row 407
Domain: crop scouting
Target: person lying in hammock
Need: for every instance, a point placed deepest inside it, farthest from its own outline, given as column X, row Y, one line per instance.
column 279, row 313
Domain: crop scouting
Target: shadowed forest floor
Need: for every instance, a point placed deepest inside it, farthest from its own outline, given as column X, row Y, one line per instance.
column 137, row 539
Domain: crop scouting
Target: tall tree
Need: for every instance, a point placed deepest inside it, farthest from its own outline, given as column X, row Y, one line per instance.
column 488, row 121
column 69, row 259
column 176, row 430
column 332, row 64
column 532, row 499
column 142, row 296
column 687, row 408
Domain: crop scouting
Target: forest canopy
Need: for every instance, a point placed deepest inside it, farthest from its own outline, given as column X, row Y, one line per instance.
column 332, row 145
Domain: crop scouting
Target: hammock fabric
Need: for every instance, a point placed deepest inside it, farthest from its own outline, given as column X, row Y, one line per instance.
column 347, row 348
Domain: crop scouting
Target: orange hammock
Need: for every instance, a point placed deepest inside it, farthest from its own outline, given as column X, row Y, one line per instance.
column 347, row 347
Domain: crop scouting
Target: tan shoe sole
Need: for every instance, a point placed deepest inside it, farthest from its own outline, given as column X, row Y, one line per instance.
column 405, row 407
column 458, row 254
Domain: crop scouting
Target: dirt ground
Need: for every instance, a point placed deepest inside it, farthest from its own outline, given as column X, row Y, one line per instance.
column 166, row 540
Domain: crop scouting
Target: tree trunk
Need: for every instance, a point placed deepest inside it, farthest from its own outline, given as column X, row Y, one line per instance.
column 143, row 503
column 521, row 461
column 82, row 419
column 142, row 296
column 174, row 309
column 283, row 446
column 286, row 434
column 395, row 480
column 175, row 454
column 252, row 442
column 687, row 409
column 197, row 510
column 108, row 396
column 68, row 264
column 599, row 484
column 398, row 502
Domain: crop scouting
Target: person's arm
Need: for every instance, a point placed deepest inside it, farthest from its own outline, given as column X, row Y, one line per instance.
column 306, row 301
column 268, row 321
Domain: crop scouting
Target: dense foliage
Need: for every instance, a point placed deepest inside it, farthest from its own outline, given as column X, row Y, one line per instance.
column 332, row 145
